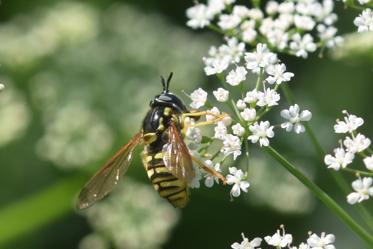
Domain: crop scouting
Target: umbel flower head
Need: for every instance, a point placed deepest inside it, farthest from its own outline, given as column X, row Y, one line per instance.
column 354, row 145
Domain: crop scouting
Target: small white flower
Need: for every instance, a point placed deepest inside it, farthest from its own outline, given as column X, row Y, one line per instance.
column 363, row 188
column 231, row 145
column 340, row 159
column 277, row 74
column 304, row 22
column 221, row 94
column 261, row 132
column 251, row 96
column 261, row 58
column 350, row 124
column 246, row 244
column 220, row 131
column 238, row 130
column 328, row 35
column 216, row 65
column 235, row 77
column 241, row 104
column 241, row 11
column 364, row 21
column 216, row 6
column 279, row 240
column 368, row 161
column 228, row 21
column 268, row 98
column 199, row 98
column 248, row 114
column 325, row 241
column 302, row 45
column 199, row 16
column 295, row 118
column 286, row 7
column 248, row 31
column 2, row 87
column 272, row 7
column 233, row 49
column 356, row 144
column 278, row 38
column 256, row 14
column 210, row 179
column 235, row 178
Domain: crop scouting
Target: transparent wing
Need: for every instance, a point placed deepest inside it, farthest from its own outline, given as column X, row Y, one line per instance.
column 176, row 155
column 104, row 181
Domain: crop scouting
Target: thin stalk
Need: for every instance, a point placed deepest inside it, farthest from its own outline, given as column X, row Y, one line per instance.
column 358, row 172
column 338, row 178
column 325, row 198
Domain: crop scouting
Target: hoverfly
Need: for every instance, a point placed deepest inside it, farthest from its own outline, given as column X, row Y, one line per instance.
column 166, row 158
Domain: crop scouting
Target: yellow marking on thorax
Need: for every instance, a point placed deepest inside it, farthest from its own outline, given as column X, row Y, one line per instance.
column 167, row 111
column 161, row 125
column 149, row 138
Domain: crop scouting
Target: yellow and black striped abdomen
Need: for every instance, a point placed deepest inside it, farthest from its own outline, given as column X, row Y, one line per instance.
column 167, row 185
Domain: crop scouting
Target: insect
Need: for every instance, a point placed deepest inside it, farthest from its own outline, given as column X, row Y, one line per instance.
column 166, row 158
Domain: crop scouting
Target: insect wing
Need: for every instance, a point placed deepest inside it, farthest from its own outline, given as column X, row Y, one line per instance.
column 176, row 155
column 104, row 181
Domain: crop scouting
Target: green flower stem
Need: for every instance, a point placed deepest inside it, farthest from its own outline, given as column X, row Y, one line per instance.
column 31, row 213
column 259, row 79
column 338, row 178
column 326, row 199
column 358, row 172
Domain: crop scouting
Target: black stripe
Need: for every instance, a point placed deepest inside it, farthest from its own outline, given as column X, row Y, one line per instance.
column 162, row 175
column 178, row 192
column 167, row 188
column 153, row 166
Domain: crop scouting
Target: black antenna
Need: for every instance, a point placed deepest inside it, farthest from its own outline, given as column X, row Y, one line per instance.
column 168, row 80
column 165, row 83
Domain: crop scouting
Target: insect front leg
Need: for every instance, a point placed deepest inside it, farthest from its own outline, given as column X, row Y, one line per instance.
column 217, row 118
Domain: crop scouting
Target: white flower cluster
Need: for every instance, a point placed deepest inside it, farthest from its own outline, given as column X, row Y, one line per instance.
column 353, row 144
column 245, row 123
column 70, row 139
column 283, row 240
column 295, row 27
column 1, row 87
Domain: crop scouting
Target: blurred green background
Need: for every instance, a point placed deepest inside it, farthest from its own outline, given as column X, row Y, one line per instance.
column 79, row 76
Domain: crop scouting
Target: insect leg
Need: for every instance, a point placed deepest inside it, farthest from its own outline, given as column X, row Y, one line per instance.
column 209, row 170
column 217, row 118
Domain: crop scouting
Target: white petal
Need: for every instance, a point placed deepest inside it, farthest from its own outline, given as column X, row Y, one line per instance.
column 305, row 115
column 353, row 198
column 235, row 191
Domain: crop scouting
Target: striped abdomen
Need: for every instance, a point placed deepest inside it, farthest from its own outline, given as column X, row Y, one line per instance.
column 167, row 185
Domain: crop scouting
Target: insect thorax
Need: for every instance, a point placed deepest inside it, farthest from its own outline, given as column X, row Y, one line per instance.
column 155, row 125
